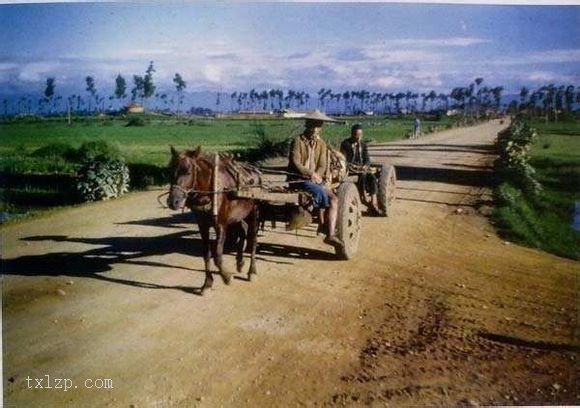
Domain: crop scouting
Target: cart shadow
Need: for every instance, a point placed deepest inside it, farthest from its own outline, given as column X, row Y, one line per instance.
column 95, row 263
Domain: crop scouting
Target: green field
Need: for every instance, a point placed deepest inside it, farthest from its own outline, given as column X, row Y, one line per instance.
column 149, row 144
column 145, row 148
column 544, row 221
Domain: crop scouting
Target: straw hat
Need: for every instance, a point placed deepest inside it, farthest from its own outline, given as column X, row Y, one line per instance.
column 316, row 115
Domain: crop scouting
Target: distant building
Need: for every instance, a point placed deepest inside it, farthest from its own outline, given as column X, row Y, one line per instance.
column 291, row 114
column 134, row 107
column 255, row 112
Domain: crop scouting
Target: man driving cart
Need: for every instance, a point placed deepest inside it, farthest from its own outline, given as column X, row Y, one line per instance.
column 308, row 162
column 355, row 150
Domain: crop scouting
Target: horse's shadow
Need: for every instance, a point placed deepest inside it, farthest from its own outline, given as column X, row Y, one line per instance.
column 133, row 250
column 109, row 251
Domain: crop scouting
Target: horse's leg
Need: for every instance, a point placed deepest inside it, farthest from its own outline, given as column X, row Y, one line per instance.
column 204, row 232
column 253, row 241
column 221, row 231
column 241, row 245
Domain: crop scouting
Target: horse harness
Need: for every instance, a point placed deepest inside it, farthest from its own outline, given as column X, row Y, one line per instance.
column 243, row 174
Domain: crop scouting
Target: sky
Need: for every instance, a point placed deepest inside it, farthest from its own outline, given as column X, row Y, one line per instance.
column 231, row 46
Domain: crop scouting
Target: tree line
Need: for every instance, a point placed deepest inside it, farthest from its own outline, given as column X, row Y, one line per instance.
column 97, row 101
column 473, row 99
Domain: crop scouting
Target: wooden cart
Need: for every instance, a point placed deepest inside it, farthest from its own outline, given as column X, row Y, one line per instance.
column 280, row 202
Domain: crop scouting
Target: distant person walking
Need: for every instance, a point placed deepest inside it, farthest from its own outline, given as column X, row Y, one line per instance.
column 416, row 128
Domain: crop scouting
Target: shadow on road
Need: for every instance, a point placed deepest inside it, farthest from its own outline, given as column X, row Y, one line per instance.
column 473, row 178
column 171, row 221
column 111, row 251
column 432, row 147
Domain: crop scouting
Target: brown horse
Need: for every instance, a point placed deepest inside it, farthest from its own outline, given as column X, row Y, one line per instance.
column 203, row 182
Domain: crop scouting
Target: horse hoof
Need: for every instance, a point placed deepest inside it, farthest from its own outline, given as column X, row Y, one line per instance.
column 227, row 277
column 240, row 266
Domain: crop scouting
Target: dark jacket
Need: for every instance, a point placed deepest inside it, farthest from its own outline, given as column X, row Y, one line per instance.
column 347, row 148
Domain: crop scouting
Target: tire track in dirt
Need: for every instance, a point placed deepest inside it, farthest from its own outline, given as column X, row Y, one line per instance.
column 438, row 340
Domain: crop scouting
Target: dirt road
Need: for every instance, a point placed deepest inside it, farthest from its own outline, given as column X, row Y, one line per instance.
column 436, row 309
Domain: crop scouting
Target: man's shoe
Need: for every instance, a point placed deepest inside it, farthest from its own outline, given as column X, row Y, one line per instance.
column 375, row 212
column 334, row 241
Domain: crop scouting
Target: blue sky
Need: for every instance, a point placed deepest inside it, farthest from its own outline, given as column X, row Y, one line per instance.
column 228, row 47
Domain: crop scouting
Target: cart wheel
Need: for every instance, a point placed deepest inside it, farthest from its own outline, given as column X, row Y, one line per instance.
column 387, row 187
column 348, row 221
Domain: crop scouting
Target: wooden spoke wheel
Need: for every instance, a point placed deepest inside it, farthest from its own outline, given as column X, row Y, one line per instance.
column 386, row 189
column 348, row 223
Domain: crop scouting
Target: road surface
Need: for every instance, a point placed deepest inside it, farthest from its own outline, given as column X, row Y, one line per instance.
column 436, row 309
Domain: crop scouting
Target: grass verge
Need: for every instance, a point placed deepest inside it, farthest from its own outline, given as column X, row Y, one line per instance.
column 543, row 219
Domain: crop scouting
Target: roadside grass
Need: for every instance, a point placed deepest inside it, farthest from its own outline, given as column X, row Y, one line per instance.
column 544, row 220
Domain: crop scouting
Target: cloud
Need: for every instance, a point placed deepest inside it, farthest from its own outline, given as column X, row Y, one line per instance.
column 38, row 71
column 438, row 42
column 230, row 56
column 387, row 82
column 416, row 64
column 299, row 55
column 547, row 57
column 212, row 73
column 399, row 56
column 547, row 76
column 540, row 76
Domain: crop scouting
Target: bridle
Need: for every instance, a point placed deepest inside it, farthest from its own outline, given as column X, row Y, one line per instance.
column 215, row 190
column 187, row 191
column 191, row 192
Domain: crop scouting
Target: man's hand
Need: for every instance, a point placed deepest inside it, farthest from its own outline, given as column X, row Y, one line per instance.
column 316, row 178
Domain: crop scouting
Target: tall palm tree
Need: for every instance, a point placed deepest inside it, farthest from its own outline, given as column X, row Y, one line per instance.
column 569, row 97
column 524, row 92
column 233, row 97
column 496, row 92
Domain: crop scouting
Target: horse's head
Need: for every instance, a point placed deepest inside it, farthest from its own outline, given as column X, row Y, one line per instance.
column 190, row 174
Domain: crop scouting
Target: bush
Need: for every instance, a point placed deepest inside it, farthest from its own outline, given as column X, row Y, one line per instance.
column 514, row 146
column 507, row 194
column 56, row 150
column 99, row 149
column 102, row 179
column 200, row 123
column 266, row 146
column 136, row 121
column 144, row 175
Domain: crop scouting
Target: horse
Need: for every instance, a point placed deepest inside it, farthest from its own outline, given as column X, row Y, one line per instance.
column 203, row 182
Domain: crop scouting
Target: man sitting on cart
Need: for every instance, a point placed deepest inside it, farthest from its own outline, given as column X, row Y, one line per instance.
column 308, row 162
column 357, row 156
